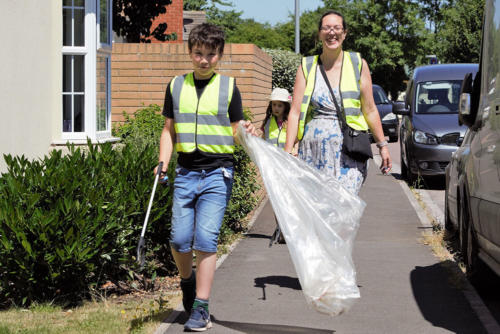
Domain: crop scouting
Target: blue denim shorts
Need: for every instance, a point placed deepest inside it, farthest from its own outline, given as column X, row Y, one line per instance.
column 199, row 203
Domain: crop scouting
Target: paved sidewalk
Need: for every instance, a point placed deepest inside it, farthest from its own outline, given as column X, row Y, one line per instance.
column 403, row 287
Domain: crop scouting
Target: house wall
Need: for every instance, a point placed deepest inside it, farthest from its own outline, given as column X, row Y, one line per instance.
column 30, row 88
column 140, row 74
column 173, row 18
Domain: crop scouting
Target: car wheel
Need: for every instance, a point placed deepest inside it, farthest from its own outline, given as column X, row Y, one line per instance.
column 475, row 268
column 393, row 139
column 462, row 229
column 447, row 223
column 404, row 170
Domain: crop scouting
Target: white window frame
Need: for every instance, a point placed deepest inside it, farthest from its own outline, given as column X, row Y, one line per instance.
column 92, row 47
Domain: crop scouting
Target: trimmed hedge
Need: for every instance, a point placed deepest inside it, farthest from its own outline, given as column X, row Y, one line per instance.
column 285, row 65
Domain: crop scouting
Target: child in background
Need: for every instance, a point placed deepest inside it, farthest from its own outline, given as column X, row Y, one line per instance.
column 274, row 132
column 274, row 125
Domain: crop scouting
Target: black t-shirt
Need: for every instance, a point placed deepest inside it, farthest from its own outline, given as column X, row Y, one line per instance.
column 198, row 160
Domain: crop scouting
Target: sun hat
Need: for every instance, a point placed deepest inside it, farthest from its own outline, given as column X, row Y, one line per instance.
column 280, row 94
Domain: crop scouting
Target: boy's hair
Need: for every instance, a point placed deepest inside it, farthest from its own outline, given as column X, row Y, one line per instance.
column 207, row 34
column 269, row 112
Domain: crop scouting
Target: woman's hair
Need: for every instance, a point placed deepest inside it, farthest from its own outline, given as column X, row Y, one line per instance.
column 269, row 112
column 208, row 35
column 330, row 12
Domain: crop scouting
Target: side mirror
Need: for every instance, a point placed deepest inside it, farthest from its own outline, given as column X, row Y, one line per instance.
column 464, row 106
column 399, row 108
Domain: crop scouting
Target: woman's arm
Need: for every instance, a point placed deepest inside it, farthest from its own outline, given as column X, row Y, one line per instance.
column 372, row 116
column 294, row 115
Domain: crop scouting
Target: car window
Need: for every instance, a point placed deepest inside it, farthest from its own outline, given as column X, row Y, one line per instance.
column 379, row 96
column 435, row 97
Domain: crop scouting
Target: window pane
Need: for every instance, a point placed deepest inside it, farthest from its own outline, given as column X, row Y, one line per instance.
column 79, row 116
column 79, row 27
column 67, row 3
column 67, row 30
column 67, row 73
column 79, row 72
column 79, row 3
column 103, row 24
column 102, row 93
column 67, row 113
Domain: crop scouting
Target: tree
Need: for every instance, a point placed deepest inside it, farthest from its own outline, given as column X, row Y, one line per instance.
column 132, row 20
column 459, row 39
column 262, row 35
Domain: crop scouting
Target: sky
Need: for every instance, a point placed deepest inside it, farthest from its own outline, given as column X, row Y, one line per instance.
column 272, row 11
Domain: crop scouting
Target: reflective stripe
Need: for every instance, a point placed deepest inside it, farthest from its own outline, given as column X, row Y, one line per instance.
column 176, row 91
column 350, row 95
column 355, row 66
column 214, row 140
column 223, row 96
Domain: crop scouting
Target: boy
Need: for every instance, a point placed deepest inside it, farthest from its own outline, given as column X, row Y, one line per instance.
column 202, row 111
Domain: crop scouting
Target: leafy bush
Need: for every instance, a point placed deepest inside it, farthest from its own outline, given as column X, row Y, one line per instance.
column 285, row 64
column 143, row 128
column 71, row 222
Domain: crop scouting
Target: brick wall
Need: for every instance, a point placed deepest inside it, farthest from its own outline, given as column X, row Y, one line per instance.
column 140, row 74
column 174, row 20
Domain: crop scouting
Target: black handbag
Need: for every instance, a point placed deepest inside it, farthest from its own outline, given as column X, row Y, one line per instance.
column 356, row 144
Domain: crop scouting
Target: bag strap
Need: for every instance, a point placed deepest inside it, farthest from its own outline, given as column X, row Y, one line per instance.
column 340, row 110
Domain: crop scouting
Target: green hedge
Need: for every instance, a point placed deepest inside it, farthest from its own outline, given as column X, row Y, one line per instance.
column 285, row 64
column 69, row 223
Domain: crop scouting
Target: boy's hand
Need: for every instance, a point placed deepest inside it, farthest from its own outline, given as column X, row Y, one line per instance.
column 250, row 128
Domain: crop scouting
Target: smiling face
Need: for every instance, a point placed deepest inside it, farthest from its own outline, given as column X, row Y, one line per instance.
column 332, row 32
column 204, row 59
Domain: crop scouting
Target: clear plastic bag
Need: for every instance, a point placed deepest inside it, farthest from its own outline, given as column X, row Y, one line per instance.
column 319, row 219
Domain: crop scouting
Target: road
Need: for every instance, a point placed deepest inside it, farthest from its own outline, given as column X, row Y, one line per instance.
column 432, row 200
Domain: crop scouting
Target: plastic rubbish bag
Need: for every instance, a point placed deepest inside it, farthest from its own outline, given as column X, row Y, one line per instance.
column 319, row 219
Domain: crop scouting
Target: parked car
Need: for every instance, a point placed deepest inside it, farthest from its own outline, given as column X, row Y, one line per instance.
column 429, row 131
column 472, row 196
column 390, row 121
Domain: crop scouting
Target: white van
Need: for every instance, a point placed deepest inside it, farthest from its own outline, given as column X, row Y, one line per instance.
column 472, row 201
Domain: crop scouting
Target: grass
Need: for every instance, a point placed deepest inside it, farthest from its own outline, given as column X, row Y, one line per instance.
column 138, row 314
column 444, row 247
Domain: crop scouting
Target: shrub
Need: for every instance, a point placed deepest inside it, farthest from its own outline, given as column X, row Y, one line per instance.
column 285, row 64
column 71, row 222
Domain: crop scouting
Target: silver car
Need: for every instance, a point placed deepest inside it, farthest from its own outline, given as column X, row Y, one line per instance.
column 429, row 130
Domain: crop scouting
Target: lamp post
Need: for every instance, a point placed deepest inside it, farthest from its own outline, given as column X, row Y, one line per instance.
column 297, row 27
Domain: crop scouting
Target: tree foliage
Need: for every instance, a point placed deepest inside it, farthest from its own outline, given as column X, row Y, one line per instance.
column 132, row 19
column 459, row 39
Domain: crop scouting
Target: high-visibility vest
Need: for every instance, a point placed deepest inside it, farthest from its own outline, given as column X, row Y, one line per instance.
column 274, row 134
column 349, row 90
column 202, row 123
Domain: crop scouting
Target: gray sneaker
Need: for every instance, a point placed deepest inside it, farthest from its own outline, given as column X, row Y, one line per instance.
column 199, row 321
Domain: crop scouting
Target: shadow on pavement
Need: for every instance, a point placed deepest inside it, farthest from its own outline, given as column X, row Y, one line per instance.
column 250, row 328
column 282, row 281
column 257, row 236
column 437, row 292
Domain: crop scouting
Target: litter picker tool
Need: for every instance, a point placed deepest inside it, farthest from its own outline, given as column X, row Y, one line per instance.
column 141, row 258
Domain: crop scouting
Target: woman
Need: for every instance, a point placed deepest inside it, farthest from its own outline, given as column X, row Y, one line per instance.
column 318, row 129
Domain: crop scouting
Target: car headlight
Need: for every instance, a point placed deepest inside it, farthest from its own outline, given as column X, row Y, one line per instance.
column 424, row 138
column 389, row 117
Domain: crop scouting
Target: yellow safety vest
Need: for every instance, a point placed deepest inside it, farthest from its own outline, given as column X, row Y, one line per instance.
column 349, row 91
column 202, row 123
column 274, row 134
